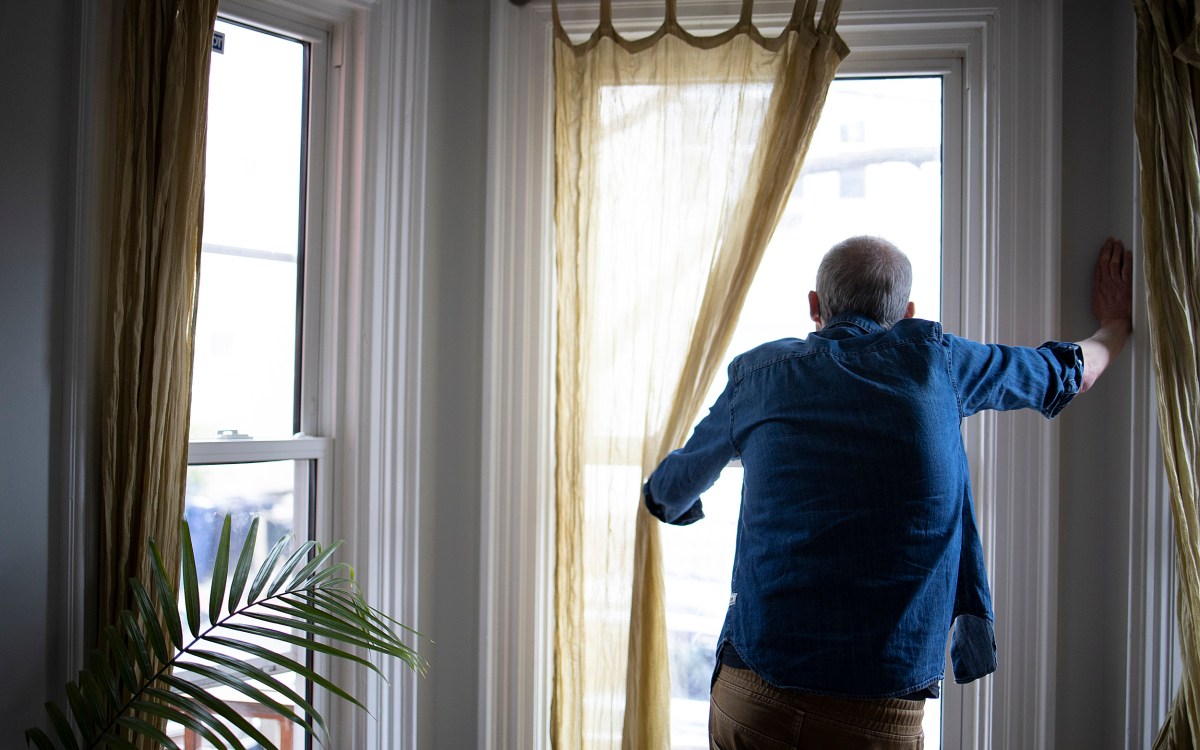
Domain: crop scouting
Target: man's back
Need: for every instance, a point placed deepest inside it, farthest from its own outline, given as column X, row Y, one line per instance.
column 857, row 545
column 851, row 517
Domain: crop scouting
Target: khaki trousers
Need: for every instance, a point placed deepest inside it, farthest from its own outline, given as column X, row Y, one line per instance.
column 746, row 713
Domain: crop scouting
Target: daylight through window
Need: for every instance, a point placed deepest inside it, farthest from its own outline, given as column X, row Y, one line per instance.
column 874, row 167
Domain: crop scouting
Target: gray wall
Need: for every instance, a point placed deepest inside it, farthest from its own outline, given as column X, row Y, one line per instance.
column 1098, row 199
column 452, row 378
column 38, row 63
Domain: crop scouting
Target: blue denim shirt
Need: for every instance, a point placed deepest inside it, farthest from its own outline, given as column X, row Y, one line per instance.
column 857, row 550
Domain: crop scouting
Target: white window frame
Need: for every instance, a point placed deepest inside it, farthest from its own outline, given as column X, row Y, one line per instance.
column 306, row 444
column 307, row 448
column 362, row 320
column 1010, row 240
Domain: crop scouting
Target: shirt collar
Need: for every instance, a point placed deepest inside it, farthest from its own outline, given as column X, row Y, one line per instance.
column 862, row 323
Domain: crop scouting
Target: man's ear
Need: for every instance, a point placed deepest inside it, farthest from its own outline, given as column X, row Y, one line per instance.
column 814, row 309
column 911, row 310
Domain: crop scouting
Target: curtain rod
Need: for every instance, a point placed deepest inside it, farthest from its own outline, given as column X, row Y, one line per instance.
column 519, row 2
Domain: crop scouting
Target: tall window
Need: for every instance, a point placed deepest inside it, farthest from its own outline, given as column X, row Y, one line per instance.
column 251, row 451
column 874, row 167
column 999, row 262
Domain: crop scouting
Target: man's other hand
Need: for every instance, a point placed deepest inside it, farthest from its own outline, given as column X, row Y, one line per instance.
column 1112, row 304
column 1112, row 284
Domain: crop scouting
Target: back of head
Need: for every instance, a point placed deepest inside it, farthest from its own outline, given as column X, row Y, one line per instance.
column 865, row 275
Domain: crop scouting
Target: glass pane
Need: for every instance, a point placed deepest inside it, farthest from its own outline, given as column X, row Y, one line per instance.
column 245, row 364
column 874, row 167
column 267, row 490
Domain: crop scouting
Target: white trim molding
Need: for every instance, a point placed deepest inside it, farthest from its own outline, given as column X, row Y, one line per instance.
column 1020, row 481
column 376, row 172
column 72, row 605
column 1153, row 665
column 518, row 388
column 1008, row 285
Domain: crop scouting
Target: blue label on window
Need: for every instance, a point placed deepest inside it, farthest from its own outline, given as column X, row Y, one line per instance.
column 219, row 42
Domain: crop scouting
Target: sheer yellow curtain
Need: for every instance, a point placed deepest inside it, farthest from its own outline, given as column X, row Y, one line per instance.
column 1168, row 103
column 675, row 155
column 153, row 264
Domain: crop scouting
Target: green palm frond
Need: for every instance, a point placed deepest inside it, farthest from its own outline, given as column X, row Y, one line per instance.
column 159, row 665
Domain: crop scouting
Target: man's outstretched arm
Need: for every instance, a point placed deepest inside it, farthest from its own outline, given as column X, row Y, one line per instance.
column 1112, row 304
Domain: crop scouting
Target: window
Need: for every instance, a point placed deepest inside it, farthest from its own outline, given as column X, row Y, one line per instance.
column 252, row 450
column 997, row 226
column 874, row 167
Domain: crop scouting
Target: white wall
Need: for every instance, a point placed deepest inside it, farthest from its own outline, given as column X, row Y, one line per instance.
column 38, row 62
column 1098, row 199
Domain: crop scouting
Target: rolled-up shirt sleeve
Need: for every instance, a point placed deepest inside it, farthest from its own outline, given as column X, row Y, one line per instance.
column 994, row 376
column 672, row 493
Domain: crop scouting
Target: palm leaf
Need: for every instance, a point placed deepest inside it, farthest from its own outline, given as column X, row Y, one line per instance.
column 287, row 663
column 146, row 729
column 264, row 571
column 120, row 656
column 40, row 740
column 62, row 727
column 319, row 559
column 303, row 642
column 86, row 717
column 110, row 740
column 186, row 704
column 307, row 601
column 137, row 643
column 270, row 681
column 167, row 712
column 191, row 586
column 154, row 633
column 236, row 679
column 106, row 679
column 217, row 707
column 216, row 597
column 166, row 598
column 296, row 558
column 241, row 571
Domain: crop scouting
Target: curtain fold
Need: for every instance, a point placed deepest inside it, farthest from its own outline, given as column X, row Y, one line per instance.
column 1168, row 101
column 158, row 142
column 675, row 156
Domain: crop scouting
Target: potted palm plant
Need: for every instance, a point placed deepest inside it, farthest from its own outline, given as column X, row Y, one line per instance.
column 164, row 666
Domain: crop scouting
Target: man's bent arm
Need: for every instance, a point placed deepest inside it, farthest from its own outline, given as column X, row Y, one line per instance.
column 672, row 492
column 1112, row 304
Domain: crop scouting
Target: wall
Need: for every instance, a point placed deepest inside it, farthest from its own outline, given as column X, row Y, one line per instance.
column 38, row 81
column 451, row 379
column 38, row 69
column 1098, row 199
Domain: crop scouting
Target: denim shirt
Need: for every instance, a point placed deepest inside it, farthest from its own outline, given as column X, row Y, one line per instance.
column 857, row 549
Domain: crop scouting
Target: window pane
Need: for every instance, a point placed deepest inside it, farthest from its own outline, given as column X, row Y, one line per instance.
column 245, row 364
column 874, row 167
column 245, row 367
column 267, row 490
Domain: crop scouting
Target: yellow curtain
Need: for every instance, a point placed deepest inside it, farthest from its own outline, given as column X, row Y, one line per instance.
column 158, row 140
column 675, row 155
column 1168, row 102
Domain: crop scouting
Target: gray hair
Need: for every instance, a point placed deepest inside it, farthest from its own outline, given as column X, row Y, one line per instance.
column 865, row 275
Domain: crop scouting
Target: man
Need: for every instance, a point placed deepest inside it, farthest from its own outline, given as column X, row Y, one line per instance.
column 857, row 550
